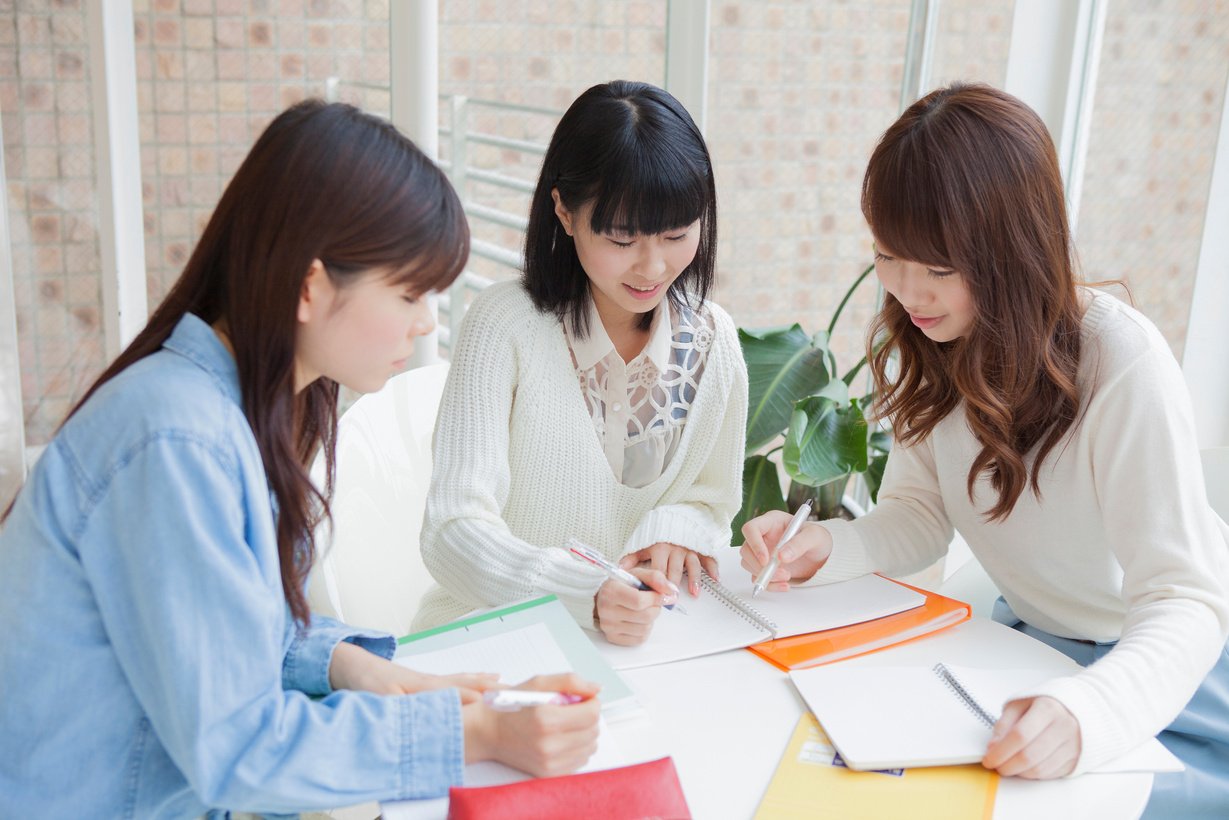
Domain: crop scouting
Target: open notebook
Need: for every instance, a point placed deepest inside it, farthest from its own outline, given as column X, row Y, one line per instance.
column 526, row 647
column 725, row 617
column 461, row 645
column 886, row 717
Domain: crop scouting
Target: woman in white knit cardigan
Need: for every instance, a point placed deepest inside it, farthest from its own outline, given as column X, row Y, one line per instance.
column 603, row 397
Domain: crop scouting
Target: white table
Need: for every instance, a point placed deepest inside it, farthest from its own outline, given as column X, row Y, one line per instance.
column 726, row 720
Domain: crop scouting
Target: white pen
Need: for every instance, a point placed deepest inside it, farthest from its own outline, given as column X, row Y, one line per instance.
column 510, row 700
column 768, row 571
column 587, row 553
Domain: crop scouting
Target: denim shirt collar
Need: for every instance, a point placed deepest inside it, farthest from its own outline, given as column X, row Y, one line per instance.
column 196, row 341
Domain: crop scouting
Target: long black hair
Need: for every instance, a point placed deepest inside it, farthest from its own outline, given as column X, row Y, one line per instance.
column 327, row 182
column 634, row 152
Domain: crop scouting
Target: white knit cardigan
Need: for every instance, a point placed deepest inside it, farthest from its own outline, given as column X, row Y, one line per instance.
column 518, row 467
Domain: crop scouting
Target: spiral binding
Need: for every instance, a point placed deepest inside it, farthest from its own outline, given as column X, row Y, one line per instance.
column 958, row 689
column 739, row 605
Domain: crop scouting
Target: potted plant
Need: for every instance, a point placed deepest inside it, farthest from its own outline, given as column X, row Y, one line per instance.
column 794, row 390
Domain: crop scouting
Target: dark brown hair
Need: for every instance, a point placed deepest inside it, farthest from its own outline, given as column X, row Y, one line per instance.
column 967, row 178
column 327, row 182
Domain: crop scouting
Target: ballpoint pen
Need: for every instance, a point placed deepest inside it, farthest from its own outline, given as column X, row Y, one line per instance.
column 510, row 700
column 770, row 569
column 587, row 553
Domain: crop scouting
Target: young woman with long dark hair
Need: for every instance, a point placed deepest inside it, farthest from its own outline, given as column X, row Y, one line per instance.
column 603, row 396
column 159, row 659
column 1049, row 423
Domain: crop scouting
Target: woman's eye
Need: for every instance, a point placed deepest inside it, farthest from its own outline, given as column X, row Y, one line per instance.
column 621, row 242
column 939, row 273
column 882, row 257
column 678, row 238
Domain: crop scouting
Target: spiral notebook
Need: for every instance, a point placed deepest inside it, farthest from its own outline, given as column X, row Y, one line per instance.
column 725, row 617
column 886, row 717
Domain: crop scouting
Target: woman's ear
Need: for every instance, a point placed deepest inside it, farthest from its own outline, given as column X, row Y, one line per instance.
column 312, row 296
column 561, row 211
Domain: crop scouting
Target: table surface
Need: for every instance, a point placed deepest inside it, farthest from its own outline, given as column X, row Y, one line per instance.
column 726, row 720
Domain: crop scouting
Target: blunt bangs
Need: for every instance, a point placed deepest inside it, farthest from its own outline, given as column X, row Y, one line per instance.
column 646, row 190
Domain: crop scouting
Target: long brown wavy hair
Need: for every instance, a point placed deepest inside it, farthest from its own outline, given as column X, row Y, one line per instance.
column 327, row 182
column 967, row 178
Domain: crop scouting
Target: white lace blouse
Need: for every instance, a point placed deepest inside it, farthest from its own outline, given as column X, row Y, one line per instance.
column 639, row 408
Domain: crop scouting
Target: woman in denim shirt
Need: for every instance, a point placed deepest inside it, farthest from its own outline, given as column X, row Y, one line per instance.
column 159, row 659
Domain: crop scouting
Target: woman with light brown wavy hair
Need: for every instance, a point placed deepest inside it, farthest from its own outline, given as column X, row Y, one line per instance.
column 1049, row 423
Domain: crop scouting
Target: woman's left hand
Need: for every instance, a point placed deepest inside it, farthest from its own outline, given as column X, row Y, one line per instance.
column 1036, row 738
column 353, row 667
column 672, row 560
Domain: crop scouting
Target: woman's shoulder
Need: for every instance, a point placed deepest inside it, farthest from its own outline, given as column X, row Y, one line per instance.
column 1116, row 338
column 506, row 307
column 163, row 397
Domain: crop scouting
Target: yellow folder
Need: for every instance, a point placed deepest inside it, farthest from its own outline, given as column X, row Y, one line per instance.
column 811, row 783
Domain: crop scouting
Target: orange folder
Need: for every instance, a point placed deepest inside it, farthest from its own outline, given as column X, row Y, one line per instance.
column 818, row 648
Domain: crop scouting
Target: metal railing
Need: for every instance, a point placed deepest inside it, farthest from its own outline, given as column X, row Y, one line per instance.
column 462, row 173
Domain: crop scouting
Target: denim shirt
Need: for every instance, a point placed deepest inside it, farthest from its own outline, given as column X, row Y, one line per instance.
column 149, row 665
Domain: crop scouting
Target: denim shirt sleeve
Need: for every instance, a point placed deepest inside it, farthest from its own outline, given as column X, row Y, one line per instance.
column 310, row 651
column 195, row 617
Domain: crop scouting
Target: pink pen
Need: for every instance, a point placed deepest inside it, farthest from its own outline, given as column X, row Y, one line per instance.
column 510, row 700
column 587, row 553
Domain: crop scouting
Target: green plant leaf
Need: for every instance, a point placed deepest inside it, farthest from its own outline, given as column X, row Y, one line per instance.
column 836, row 390
column 874, row 475
column 783, row 366
column 761, row 492
column 881, row 441
column 825, row 441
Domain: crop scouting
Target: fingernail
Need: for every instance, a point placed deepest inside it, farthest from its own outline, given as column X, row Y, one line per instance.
column 673, row 587
column 669, row 600
column 786, row 556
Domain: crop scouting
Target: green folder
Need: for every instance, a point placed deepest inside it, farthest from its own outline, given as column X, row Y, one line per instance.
column 584, row 657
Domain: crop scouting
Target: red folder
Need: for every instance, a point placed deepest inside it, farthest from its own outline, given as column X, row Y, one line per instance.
column 627, row 793
column 830, row 645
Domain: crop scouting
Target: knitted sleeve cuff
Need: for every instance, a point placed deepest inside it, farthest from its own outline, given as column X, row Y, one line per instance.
column 848, row 558
column 1101, row 732
column 682, row 524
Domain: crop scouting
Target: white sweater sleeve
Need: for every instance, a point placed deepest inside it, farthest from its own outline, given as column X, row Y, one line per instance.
column 466, row 543
column 700, row 519
column 1174, row 557
column 907, row 530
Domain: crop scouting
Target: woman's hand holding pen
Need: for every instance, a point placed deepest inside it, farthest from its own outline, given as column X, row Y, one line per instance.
column 673, row 560
column 353, row 667
column 625, row 614
column 543, row 740
column 801, row 558
column 1036, row 738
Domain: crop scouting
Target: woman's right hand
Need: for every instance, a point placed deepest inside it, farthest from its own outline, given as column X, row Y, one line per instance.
column 801, row 558
column 544, row 741
column 626, row 614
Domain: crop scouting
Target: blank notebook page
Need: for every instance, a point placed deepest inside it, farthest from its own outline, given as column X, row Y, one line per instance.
column 884, row 717
column 827, row 606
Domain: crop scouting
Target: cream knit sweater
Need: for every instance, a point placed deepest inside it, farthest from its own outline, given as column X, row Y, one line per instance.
column 1122, row 545
column 518, row 467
